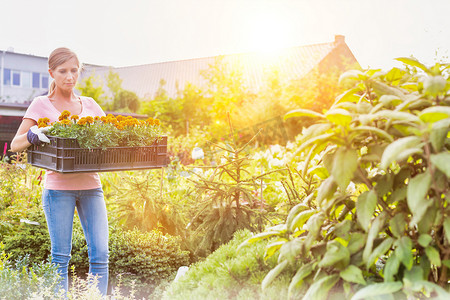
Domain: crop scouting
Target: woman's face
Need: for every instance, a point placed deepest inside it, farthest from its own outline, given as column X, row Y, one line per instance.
column 66, row 75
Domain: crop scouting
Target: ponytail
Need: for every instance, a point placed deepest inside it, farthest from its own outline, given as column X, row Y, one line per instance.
column 52, row 88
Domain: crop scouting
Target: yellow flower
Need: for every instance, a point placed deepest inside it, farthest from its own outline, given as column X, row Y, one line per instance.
column 157, row 122
column 65, row 122
column 96, row 118
column 74, row 117
column 82, row 121
column 150, row 121
column 90, row 119
column 120, row 118
column 64, row 115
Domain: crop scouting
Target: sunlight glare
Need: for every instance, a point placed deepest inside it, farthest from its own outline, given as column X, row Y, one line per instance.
column 268, row 32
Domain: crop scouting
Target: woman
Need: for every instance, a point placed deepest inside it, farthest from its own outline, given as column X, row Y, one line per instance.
column 63, row 192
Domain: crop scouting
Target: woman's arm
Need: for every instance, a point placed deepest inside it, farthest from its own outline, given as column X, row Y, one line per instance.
column 20, row 141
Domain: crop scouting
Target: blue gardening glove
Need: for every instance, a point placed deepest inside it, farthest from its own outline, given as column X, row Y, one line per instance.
column 36, row 135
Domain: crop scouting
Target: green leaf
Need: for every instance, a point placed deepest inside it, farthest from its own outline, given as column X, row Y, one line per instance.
column 357, row 242
column 380, row 250
column 320, row 288
column 416, row 195
column 438, row 134
column 433, row 256
column 398, row 224
column 291, row 249
column 434, row 114
column 383, row 89
column 273, row 274
column 365, row 207
column 394, row 74
column 390, row 99
column 403, row 251
column 348, row 96
column 326, row 189
column 339, row 116
column 344, row 166
column 301, row 274
column 397, row 116
column 447, row 228
column 293, row 212
column 442, row 162
column 336, row 252
column 300, row 112
column 434, row 85
column 374, row 230
column 413, row 63
column 353, row 274
column 272, row 248
column 424, row 239
column 316, row 141
column 394, row 149
column 300, row 219
column 375, row 130
column 391, row 268
column 352, row 75
column 378, row 289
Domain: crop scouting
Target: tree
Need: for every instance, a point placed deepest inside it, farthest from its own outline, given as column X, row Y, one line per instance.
column 92, row 87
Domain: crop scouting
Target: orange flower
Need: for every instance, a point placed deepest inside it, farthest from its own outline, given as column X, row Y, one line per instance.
column 82, row 121
column 90, row 119
column 96, row 118
column 74, row 117
column 120, row 118
column 150, row 121
column 64, row 115
column 65, row 122
column 157, row 122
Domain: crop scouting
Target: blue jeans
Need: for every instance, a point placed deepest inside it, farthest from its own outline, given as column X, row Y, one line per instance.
column 59, row 207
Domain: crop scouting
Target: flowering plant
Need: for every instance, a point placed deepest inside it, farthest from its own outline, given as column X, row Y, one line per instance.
column 109, row 131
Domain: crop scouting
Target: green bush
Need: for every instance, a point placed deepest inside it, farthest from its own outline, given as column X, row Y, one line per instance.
column 22, row 279
column 148, row 259
column 229, row 274
column 378, row 223
column 29, row 239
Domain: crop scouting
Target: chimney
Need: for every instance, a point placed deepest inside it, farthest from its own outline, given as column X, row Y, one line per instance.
column 339, row 39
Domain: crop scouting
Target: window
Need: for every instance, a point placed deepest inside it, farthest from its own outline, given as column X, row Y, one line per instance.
column 36, row 80
column 7, row 76
column 26, row 79
column 44, row 83
column 16, row 78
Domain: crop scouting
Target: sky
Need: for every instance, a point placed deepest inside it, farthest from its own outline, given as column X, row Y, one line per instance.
column 134, row 32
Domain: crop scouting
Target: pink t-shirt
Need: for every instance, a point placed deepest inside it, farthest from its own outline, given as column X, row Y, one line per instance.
column 42, row 107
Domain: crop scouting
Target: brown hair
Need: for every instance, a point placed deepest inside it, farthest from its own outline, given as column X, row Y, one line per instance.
column 57, row 58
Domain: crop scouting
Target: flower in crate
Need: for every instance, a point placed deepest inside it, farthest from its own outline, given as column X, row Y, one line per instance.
column 43, row 122
column 109, row 131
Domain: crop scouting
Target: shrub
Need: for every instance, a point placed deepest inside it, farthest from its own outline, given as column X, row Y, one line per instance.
column 30, row 239
column 228, row 274
column 22, row 279
column 148, row 258
column 389, row 234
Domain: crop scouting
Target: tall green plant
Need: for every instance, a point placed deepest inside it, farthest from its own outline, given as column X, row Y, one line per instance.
column 227, row 201
column 388, row 135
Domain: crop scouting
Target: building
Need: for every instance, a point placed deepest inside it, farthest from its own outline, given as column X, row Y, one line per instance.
column 293, row 63
column 24, row 77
